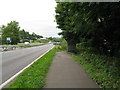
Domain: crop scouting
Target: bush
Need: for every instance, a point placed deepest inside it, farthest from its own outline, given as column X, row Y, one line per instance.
column 102, row 69
column 64, row 45
column 84, row 47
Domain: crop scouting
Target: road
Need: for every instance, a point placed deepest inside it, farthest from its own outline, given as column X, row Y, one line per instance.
column 14, row 61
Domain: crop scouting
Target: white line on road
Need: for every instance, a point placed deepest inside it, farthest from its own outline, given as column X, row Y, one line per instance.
column 14, row 76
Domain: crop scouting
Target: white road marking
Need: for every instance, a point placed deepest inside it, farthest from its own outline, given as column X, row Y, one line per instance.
column 14, row 76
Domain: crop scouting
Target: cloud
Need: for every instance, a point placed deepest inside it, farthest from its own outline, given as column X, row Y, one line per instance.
column 33, row 15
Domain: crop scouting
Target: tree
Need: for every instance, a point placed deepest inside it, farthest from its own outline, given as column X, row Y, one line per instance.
column 55, row 39
column 34, row 36
column 65, row 21
column 12, row 31
column 96, row 23
column 26, row 36
column 22, row 35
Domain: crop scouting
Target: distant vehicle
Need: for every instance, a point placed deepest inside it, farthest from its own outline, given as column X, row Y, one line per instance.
column 49, row 42
column 26, row 43
column 57, row 43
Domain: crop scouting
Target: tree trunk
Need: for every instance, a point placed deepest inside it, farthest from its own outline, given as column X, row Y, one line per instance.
column 71, row 46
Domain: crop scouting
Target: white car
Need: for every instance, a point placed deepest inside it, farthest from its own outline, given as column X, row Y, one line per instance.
column 26, row 43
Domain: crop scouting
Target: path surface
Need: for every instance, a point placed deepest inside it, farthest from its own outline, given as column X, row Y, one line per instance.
column 15, row 60
column 65, row 73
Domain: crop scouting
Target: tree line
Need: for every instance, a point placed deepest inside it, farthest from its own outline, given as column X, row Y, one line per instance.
column 94, row 24
column 17, row 35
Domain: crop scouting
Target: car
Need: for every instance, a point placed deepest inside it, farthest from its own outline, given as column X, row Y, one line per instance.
column 57, row 43
column 26, row 43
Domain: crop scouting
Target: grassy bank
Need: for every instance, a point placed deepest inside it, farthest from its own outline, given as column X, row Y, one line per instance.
column 104, row 70
column 19, row 44
column 34, row 76
column 62, row 47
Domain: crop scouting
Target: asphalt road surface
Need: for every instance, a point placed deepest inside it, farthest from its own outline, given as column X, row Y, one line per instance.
column 14, row 61
column 66, row 73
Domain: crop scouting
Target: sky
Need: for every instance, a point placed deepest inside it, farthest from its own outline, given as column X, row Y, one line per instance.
column 33, row 15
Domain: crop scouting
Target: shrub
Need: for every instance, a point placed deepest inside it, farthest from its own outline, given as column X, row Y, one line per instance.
column 102, row 69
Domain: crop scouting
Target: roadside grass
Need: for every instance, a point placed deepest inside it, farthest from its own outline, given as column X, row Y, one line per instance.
column 104, row 70
column 20, row 44
column 63, row 46
column 59, row 47
column 30, row 43
column 34, row 76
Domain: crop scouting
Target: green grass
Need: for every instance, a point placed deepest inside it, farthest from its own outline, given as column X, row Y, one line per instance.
column 34, row 44
column 58, row 47
column 30, row 43
column 34, row 76
column 104, row 70
column 20, row 44
column 63, row 46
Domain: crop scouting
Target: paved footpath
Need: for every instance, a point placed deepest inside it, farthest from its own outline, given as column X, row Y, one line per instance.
column 66, row 73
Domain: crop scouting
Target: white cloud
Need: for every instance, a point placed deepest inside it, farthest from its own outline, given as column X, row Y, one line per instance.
column 33, row 15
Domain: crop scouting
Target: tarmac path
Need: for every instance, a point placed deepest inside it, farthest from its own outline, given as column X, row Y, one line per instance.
column 65, row 73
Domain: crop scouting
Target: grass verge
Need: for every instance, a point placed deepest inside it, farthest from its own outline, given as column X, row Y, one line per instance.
column 102, row 69
column 34, row 76
column 19, row 44
column 27, row 46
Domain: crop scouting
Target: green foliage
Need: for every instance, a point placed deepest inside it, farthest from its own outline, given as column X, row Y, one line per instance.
column 63, row 46
column 94, row 22
column 34, row 76
column 34, row 36
column 26, row 36
column 55, row 39
column 37, row 41
column 102, row 69
column 84, row 46
column 44, row 41
column 66, row 22
column 12, row 31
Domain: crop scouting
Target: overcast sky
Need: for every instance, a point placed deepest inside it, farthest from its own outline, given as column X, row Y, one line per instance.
column 33, row 15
